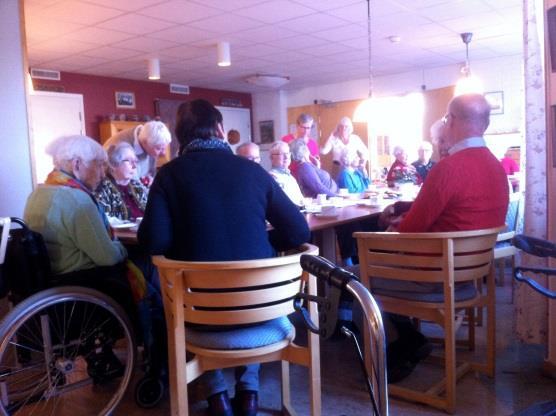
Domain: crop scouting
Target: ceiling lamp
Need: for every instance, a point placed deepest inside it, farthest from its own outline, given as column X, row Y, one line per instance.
column 223, row 51
column 268, row 80
column 154, row 68
column 469, row 83
column 363, row 110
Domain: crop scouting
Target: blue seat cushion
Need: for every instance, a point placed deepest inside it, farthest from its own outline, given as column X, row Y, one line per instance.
column 239, row 338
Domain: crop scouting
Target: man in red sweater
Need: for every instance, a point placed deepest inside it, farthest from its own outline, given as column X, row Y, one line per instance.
column 467, row 190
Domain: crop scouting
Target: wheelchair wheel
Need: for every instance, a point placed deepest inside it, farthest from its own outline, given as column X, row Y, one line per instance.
column 66, row 350
column 149, row 392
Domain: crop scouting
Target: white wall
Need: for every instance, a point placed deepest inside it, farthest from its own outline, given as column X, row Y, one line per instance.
column 501, row 74
column 269, row 106
column 15, row 162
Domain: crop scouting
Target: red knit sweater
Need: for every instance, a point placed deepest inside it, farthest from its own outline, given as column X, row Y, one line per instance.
column 465, row 191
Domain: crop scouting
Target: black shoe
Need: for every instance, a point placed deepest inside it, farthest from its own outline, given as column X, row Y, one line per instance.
column 104, row 366
column 246, row 403
column 418, row 346
column 398, row 364
column 219, row 404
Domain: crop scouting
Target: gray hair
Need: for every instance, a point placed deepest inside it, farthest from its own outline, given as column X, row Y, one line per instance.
column 398, row 150
column 346, row 121
column 115, row 153
column 305, row 118
column 154, row 133
column 347, row 155
column 299, row 150
column 65, row 149
column 278, row 146
column 437, row 130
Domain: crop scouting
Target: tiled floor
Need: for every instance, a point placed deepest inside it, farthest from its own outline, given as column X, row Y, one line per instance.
column 517, row 385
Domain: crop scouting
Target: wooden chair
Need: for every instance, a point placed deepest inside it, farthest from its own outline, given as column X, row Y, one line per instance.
column 235, row 293
column 504, row 247
column 456, row 261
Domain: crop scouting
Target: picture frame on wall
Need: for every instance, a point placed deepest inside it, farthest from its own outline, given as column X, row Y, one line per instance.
column 266, row 129
column 125, row 99
column 496, row 101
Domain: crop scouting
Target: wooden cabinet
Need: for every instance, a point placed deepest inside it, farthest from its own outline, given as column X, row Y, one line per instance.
column 109, row 128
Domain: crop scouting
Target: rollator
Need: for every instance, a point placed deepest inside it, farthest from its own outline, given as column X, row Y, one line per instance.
column 539, row 248
column 339, row 285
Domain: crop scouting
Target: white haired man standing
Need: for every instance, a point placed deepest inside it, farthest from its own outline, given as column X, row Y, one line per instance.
column 149, row 142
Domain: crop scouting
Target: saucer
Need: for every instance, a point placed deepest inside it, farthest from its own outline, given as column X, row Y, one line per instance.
column 123, row 225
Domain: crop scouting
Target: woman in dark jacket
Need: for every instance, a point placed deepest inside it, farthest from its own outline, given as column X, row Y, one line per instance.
column 209, row 205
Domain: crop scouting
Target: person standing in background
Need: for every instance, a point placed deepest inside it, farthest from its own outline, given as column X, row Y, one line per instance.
column 343, row 138
column 303, row 130
column 149, row 142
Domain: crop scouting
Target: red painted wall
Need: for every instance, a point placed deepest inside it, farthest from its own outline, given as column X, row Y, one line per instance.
column 99, row 99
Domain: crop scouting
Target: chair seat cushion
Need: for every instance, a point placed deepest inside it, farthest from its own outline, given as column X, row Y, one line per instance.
column 239, row 338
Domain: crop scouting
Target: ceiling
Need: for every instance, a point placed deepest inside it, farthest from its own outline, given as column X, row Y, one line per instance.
column 311, row 41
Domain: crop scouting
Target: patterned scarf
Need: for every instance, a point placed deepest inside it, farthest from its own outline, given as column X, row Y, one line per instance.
column 135, row 277
column 204, row 144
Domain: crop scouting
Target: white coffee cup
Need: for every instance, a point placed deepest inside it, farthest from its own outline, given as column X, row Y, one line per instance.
column 321, row 198
column 343, row 192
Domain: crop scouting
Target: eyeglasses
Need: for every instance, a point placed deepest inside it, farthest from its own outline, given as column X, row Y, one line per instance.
column 281, row 154
column 130, row 161
column 305, row 127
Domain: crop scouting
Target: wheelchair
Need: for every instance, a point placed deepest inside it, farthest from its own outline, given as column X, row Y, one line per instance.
column 63, row 349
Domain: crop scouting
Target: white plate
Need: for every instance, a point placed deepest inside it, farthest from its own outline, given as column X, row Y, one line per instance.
column 325, row 215
column 124, row 225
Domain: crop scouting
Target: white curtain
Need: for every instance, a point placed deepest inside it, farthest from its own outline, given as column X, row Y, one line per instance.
column 531, row 308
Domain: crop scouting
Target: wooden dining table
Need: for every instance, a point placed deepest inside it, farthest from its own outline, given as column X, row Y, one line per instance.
column 322, row 226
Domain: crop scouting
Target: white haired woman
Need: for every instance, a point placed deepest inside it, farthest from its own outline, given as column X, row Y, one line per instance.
column 149, row 142
column 80, row 245
column 120, row 194
column 351, row 176
column 401, row 171
column 343, row 138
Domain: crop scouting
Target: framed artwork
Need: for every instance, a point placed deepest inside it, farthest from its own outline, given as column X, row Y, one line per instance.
column 496, row 101
column 266, row 129
column 125, row 99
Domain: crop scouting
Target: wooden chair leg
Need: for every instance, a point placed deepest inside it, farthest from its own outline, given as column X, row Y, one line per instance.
column 491, row 325
column 500, row 266
column 471, row 329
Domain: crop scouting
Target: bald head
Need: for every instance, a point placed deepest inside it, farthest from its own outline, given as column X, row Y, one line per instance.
column 473, row 112
column 249, row 151
column 468, row 116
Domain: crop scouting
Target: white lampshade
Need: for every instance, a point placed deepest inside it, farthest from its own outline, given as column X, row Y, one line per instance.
column 223, row 50
column 268, row 80
column 154, row 68
column 468, row 85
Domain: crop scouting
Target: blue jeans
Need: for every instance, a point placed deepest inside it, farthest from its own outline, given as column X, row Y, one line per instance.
column 247, row 378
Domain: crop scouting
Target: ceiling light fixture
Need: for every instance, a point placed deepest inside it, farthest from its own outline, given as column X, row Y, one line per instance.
column 223, row 51
column 363, row 110
column 268, row 80
column 468, row 83
column 154, row 68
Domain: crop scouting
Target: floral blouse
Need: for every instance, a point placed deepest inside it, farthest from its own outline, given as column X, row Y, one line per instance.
column 123, row 202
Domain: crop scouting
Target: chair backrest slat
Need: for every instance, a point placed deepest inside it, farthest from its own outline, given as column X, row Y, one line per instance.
column 232, row 292
column 398, row 273
column 239, row 317
column 227, row 299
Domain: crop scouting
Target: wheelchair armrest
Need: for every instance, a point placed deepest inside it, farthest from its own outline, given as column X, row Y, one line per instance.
column 533, row 283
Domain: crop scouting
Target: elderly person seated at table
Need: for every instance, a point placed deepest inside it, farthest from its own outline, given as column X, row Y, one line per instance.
column 80, row 245
column 121, row 195
column 210, row 205
column 423, row 164
column 340, row 139
column 149, row 142
column 312, row 180
column 351, row 176
column 400, row 171
column 249, row 151
column 280, row 158
column 303, row 128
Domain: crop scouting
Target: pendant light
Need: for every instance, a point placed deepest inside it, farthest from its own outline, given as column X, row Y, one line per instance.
column 468, row 83
column 154, row 68
column 223, row 52
column 363, row 110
